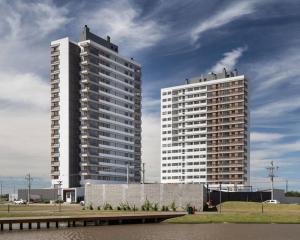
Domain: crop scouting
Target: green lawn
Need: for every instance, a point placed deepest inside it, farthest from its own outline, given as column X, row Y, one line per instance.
column 35, row 210
column 246, row 212
column 231, row 212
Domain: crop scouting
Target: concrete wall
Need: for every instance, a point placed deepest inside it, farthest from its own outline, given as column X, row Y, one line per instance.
column 38, row 194
column 279, row 195
column 136, row 194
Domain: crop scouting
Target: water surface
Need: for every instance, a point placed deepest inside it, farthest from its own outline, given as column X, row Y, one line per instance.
column 163, row 232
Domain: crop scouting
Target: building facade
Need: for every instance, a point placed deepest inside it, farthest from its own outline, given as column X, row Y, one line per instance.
column 204, row 131
column 95, row 113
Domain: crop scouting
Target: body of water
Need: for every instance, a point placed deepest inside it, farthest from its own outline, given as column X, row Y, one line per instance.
column 163, row 232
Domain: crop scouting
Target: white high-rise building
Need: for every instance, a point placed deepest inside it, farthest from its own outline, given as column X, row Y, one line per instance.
column 204, row 131
column 95, row 113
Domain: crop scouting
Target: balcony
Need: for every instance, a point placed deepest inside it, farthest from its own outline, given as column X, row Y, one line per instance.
column 54, row 163
column 54, row 52
column 54, row 173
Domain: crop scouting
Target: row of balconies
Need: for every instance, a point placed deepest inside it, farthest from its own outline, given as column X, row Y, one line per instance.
column 215, row 158
column 226, row 90
column 224, row 144
column 229, row 124
column 218, row 87
column 225, row 164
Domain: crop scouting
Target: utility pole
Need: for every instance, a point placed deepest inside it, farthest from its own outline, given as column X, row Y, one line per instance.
column 29, row 179
column 143, row 172
column 220, row 197
column 127, row 173
column 59, row 194
column 271, row 175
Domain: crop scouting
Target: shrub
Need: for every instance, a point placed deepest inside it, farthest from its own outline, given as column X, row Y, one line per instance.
column 107, row 206
column 91, row 207
column 135, row 208
column 173, row 206
column 164, row 208
column 155, row 207
column 99, row 208
column 125, row 206
column 292, row 194
column 147, row 206
column 187, row 206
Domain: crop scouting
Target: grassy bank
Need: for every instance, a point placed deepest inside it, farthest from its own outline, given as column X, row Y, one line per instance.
column 37, row 210
column 231, row 212
column 243, row 212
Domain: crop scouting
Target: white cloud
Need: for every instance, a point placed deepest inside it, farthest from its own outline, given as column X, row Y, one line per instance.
column 124, row 23
column 283, row 68
column 31, row 21
column 151, row 104
column 24, row 27
column 24, row 124
column 151, row 147
column 263, row 153
column 229, row 60
column 24, row 93
column 25, row 142
column 223, row 17
column 276, row 108
column 24, row 89
column 265, row 137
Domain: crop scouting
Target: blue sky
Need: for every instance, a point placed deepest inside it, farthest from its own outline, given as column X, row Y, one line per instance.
column 173, row 40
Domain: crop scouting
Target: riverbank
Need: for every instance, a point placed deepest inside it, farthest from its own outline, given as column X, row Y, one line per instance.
column 54, row 210
column 231, row 212
column 245, row 212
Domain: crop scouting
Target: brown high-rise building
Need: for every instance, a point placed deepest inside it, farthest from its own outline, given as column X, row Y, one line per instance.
column 204, row 131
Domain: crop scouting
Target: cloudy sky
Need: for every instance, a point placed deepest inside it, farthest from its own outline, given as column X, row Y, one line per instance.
column 173, row 40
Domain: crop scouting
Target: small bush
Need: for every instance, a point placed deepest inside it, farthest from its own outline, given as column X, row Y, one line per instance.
column 99, row 208
column 147, row 206
column 83, row 208
column 187, row 206
column 292, row 194
column 155, row 207
column 126, row 207
column 91, row 207
column 164, row 208
column 107, row 206
column 173, row 206
column 134, row 208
